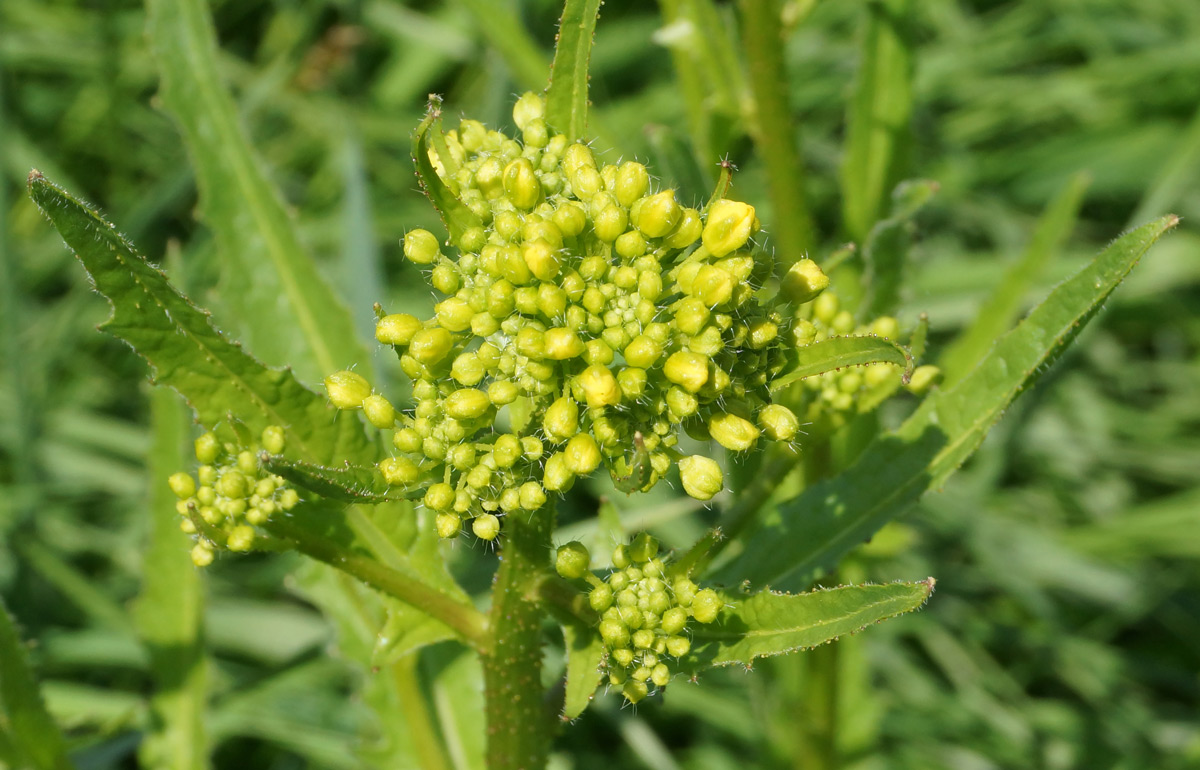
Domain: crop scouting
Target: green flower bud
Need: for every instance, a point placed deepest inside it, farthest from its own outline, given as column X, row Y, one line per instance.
column 289, row 499
column 399, row 471
column 532, row 496
column 843, row 323
column 687, row 230
column 825, row 307
column 379, row 411
column 448, row 525
column 630, row 245
column 643, row 548
column 541, row 259
column 506, row 450
column 562, row 344
column 609, row 223
column 467, row 404
column 429, row 346
column 691, row 314
column 702, row 477
column 483, row 324
column 557, row 477
column 803, row 282
column 706, row 606
column 730, row 224
column 502, row 392
column 527, row 109
column 421, row 247
column 582, row 454
column 761, row 334
column 632, row 381
column 407, row 440
column 656, row 215
column 445, row 279
column 660, row 675
column 570, row 219
column 614, row 633
column 643, row 352
column 273, row 439
column 439, row 497
column 208, row 448
column 183, row 485
column 732, row 432
column 521, row 184
column 202, row 555
column 232, row 484
column 631, row 183
column 454, row 314
column 486, row 526
column 681, row 404
column 634, row 691
column 712, row 286
column 467, row 369
column 346, row 389
column 924, row 378
column 886, row 327
column 678, row 646
column 674, row 620
column 599, row 386
column 688, row 370
column 600, row 598
column 246, row 462
column 397, row 329
column 643, row 639
column 572, row 560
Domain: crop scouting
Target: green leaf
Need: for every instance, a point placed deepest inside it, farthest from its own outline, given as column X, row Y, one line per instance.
column 877, row 135
column 567, row 96
column 270, row 281
column 887, row 247
column 345, row 483
column 813, row 530
column 214, row 375
column 768, row 623
column 169, row 613
column 585, row 652
column 1001, row 309
column 839, row 352
column 28, row 736
column 455, row 214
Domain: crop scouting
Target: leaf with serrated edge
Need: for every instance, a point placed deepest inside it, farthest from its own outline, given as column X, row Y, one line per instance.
column 345, row 483
column 455, row 214
column 813, row 530
column 214, row 375
column 271, row 281
column 26, row 728
column 839, row 352
column 585, row 651
column 567, row 96
column 768, row 623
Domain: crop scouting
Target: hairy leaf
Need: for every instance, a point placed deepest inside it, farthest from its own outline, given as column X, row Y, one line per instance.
column 839, row 352
column 585, row 651
column 345, row 483
column 28, row 736
column 768, row 623
column 270, row 281
column 813, row 530
column 567, row 96
column 887, row 247
column 455, row 215
column 213, row 374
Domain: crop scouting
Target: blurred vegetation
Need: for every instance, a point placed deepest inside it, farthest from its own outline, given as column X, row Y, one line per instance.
column 1065, row 632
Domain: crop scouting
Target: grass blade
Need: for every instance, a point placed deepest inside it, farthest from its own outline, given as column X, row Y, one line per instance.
column 1003, row 306
column 567, row 96
column 27, row 733
column 877, row 136
column 271, row 282
column 827, row 520
column 169, row 613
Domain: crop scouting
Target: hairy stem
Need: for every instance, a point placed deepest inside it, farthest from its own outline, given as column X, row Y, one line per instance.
column 518, row 724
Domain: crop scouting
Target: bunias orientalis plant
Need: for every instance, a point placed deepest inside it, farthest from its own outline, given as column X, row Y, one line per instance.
column 346, row 489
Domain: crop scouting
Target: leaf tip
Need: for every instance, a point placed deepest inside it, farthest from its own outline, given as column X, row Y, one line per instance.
column 34, row 176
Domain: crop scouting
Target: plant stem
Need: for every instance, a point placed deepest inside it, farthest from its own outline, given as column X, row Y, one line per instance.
column 820, row 699
column 468, row 622
column 518, row 725
column 773, row 128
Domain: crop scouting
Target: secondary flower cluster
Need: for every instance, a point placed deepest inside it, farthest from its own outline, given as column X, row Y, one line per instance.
column 230, row 494
column 644, row 612
column 591, row 315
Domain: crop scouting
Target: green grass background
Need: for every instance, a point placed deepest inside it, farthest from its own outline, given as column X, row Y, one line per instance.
column 1065, row 632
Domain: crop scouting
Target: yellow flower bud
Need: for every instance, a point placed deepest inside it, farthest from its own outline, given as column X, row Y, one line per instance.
column 924, row 378
column 609, row 223
column 439, row 497
column 656, row 215
column 430, row 346
column 399, row 471
column 689, row 370
column 557, row 477
column 578, row 156
column 486, row 526
column 803, row 282
column 397, row 329
column 886, row 327
column 528, row 108
column 421, row 246
column 778, row 422
column 631, row 183
column 733, row 432
column 599, row 386
column 632, row 382
column 687, row 230
column 202, row 555
column 825, row 308
column 448, row 525
column 521, row 184
column 691, row 314
column 346, row 389
column 467, row 404
column 532, row 496
column 712, row 285
column 572, row 560
column 643, row 352
column 561, row 420
column 502, row 392
column 702, row 476
column 581, row 454
column 183, row 485
column 762, row 333
column 570, row 219
column 706, row 606
column 207, row 448
column 730, row 224
column 562, row 344
column 379, row 411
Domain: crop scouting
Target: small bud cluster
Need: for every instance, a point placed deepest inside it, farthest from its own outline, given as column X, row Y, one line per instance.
column 230, row 494
column 644, row 612
column 605, row 309
column 834, row 396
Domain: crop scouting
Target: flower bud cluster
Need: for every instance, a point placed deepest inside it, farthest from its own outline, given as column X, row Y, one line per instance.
column 833, row 397
column 607, row 310
column 230, row 494
column 644, row 613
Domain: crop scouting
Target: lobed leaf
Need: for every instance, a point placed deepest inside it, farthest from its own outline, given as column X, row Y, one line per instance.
column 185, row 351
column 567, row 96
column 270, row 280
column 838, row 352
column 28, row 736
column 769, row 623
column 813, row 530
